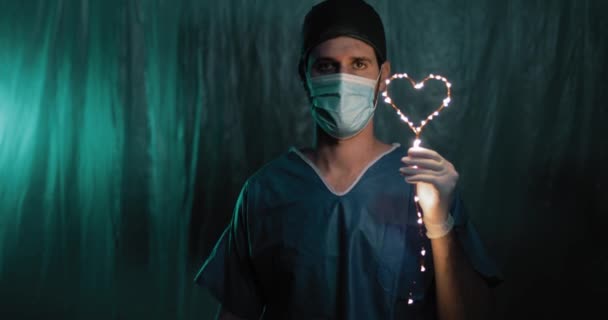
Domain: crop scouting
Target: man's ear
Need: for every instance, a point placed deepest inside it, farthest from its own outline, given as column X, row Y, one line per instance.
column 305, row 86
column 302, row 70
column 385, row 73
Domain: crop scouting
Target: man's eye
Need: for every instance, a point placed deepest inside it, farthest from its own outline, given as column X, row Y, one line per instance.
column 359, row 65
column 325, row 67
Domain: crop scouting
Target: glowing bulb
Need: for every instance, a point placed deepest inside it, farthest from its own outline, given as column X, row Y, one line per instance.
column 419, row 221
column 446, row 101
column 419, row 85
column 410, row 301
column 436, row 113
column 416, row 198
column 431, row 75
column 384, row 94
column 388, row 81
column 387, row 100
column 423, row 122
column 423, row 252
column 419, row 214
column 422, row 269
column 448, row 85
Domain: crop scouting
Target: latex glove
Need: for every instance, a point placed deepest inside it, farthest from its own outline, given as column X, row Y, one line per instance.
column 435, row 178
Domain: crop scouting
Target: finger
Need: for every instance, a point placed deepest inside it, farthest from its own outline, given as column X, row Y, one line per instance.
column 422, row 178
column 423, row 163
column 407, row 171
column 424, row 153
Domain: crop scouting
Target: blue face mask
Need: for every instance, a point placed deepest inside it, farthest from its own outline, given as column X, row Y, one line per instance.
column 342, row 104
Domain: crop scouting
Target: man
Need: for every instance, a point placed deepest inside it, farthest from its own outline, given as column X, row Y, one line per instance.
column 331, row 232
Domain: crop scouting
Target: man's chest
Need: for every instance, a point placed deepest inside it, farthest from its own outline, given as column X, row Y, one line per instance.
column 313, row 248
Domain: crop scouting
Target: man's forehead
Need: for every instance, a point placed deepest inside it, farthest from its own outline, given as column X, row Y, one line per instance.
column 343, row 47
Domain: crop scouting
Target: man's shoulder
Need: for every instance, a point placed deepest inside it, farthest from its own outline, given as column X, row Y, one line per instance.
column 275, row 168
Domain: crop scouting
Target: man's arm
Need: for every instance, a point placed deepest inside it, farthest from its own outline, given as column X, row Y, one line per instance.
column 228, row 272
column 461, row 292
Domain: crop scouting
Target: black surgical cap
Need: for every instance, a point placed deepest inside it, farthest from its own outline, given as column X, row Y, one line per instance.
column 334, row 18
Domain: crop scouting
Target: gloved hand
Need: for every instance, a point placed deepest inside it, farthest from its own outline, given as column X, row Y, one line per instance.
column 435, row 179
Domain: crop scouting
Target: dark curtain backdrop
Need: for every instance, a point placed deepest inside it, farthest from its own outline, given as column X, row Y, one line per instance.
column 127, row 128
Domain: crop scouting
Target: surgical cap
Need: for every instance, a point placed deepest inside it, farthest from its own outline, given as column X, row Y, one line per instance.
column 334, row 18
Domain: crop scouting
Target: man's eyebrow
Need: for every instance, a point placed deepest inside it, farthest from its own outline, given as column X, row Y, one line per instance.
column 362, row 59
column 323, row 59
column 329, row 59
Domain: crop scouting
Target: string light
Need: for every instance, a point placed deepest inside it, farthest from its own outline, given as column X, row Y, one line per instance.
column 445, row 103
column 417, row 131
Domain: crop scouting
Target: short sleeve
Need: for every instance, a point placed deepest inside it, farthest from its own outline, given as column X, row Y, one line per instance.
column 228, row 273
column 473, row 245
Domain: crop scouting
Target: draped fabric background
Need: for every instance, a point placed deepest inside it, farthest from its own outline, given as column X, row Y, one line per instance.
column 128, row 127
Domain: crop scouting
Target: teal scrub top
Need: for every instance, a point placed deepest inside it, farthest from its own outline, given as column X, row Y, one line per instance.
column 295, row 249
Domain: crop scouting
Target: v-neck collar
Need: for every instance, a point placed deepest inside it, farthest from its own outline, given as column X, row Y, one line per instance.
column 327, row 185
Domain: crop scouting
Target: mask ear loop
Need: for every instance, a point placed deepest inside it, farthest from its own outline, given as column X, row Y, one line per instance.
column 308, row 86
column 377, row 88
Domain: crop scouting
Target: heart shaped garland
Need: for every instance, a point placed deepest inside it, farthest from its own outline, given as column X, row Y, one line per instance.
column 418, row 129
